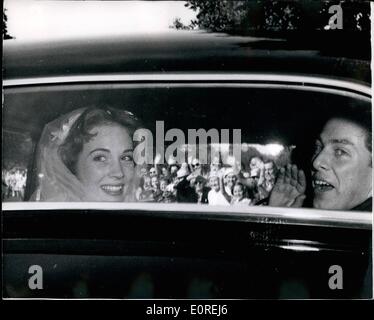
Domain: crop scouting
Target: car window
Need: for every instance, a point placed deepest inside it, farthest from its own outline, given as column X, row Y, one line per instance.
column 238, row 132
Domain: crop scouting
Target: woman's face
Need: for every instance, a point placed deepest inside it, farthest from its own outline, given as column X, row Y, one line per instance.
column 147, row 182
column 231, row 179
column 214, row 183
column 238, row 192
column 165, row 171
column 255, row 163
column 199, row 186
column 163, row 185
column 154, row 182
column 105, row 166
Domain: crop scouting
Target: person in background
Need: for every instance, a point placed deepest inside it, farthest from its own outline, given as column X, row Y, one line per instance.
column 184, row 191
column 196, row 167
column 216, row 167
column 230, row 178
column 269, row 175
column 153, row 172
column 145, row 191
column 165, row 174
column 240, row 195
column 256, row 164
column 156, row 191
column 217, row 195
column 201, row 190
column 195, row 170
column 167, row 195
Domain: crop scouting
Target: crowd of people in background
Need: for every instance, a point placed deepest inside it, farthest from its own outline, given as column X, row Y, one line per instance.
column 13, row 183
column 193, row 182
column 214, row 184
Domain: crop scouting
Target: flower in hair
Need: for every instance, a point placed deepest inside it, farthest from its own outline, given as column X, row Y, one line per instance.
column 63, row 132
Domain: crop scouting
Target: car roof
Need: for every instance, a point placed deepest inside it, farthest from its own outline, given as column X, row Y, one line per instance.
column 183, row 51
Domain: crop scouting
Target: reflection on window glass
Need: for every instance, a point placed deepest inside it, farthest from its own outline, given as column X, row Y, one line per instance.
column 18, row 152
column 223, row 180
column 88, row 154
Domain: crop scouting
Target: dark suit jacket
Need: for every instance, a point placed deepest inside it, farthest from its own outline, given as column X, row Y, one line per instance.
column 367, row 205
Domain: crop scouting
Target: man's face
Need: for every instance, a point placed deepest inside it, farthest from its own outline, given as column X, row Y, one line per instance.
column 214, row 183
column 147, row 182
column 195, row 165
column 238, row 192
column 153, row 172
column 164, row 171
column 230, row 179
column 199, row 185
column 342, row 171
column 255, row 163
column 163, row 185
column 269, row 171
column 215, row 165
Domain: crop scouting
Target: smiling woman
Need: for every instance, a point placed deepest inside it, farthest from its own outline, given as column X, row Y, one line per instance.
column 87, row 155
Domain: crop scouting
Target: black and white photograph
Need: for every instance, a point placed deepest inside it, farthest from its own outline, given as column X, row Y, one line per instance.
column 193, row 150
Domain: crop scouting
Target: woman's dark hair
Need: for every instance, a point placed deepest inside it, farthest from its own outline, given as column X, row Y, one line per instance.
column 79, row 133
column 244, row 188
column 247, row 192
column 164, row 179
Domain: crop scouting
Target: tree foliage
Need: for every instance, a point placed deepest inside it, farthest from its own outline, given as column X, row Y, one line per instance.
column 179, row 25
column 239, row 16
column 5, row 29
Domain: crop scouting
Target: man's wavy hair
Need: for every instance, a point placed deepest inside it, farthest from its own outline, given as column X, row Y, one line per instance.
column 92, row 117
column 359, row 115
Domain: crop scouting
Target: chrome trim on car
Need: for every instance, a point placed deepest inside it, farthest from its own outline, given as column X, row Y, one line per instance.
column 260, row 214
column 95, row 86
column 197, row 77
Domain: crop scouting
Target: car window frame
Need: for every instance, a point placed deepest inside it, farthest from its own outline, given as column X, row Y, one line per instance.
column 261, row 214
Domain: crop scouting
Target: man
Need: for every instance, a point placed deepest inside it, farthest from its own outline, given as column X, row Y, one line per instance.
column 195, row 170
column 216, row 167
column 196, row 167
column 167, row 189
column 201, row 190
column 185, row 193
column 217, row 194
column 165, row 173
column 153, row 172
column 341, row 168
column 229, row 179
column 269, row 175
